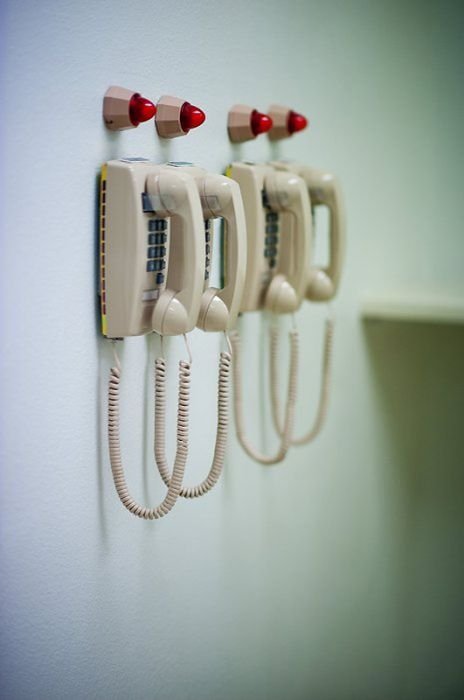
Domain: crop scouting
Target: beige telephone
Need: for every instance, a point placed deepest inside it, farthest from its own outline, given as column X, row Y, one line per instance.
column 324, row 190
column 220, row 198
column 321, row 282
column 278, row 220
column 150, row 214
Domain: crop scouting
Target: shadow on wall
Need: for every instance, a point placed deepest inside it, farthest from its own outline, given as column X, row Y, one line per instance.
column 418, row 374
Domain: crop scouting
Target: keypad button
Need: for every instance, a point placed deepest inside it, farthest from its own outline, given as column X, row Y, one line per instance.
column 267, row 252
column 207, row 249
column 159, row 265
column 151, row 253
column 147, row 206
column 272, row 228
column 207, row 262
column 272, row 216
column 272, row 263
column 206, row 274
column 159, row 278
column 151, row 265
column 207, row 237
column 157, row 225
column 160, row 252
column 271, row 240
column 157, row 238
column 273, row 252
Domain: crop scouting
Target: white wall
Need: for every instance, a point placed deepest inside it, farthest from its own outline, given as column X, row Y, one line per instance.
column 336, row 575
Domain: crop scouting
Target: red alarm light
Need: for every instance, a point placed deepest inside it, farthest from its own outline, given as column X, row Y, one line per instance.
column 260, row 123
column 296, row 122
column 191, row 117
column 140, row 109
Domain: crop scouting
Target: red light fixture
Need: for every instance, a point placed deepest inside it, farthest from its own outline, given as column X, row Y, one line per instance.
column 140, row 109
column 260, row 122
column 125, row 109
column 296, row 122
column 175, row 117
column 245, row 123
column 191, row 117
column 285, row 122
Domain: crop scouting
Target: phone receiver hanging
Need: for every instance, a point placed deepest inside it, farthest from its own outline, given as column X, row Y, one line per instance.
column 286, row 192
column 175, row 195
column 325, row 190
column 221, row 198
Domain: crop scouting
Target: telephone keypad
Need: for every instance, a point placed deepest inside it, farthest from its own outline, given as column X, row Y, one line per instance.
column 271, row 239
column 156, row 251
column 208, row 226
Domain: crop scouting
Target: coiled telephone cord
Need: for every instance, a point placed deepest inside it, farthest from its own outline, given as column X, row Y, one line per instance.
column 117, row 468
column 321, row 413
column 221, row 431
column 289, row 409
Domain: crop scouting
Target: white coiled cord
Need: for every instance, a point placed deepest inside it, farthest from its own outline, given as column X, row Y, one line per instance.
column 221, row 430
column 321, row 413
column 287, row 430
column 175, row 484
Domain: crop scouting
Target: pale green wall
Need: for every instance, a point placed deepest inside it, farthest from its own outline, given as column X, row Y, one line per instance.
column 337, row 575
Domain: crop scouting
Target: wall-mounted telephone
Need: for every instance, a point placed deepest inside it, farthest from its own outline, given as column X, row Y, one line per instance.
column 324, row 190
column 321, row 282
column 278, row 220
column 150, row 215
column 154, row 277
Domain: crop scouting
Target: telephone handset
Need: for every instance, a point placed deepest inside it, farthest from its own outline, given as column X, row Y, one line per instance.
column 151, row 250
column 324, row 190
column 278, row 220
column 220, row 198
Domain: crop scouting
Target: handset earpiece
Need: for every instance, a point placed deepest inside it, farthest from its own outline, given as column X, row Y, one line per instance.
column 174, row 195
column 287, row 192
column 219, row 307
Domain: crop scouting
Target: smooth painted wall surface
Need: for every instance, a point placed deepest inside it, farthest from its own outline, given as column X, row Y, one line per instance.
column 339, row 573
